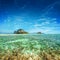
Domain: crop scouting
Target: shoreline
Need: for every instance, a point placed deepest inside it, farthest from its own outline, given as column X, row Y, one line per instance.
column 11, row 34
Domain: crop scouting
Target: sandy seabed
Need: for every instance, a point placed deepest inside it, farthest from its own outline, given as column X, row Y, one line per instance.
column 15, row 55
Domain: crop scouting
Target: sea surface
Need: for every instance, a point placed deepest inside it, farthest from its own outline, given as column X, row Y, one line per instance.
column 30, row 43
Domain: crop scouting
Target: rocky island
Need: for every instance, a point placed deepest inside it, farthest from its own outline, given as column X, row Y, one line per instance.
column 20, row 31
column 39, row 32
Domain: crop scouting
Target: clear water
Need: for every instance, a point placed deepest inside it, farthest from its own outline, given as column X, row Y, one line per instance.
column 30, row 42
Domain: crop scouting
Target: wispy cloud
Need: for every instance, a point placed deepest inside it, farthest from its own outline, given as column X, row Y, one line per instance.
column 46, row 25
column 46, row 30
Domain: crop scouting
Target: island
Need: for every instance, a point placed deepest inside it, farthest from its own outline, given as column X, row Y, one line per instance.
column 20, row 31
column 39, row 32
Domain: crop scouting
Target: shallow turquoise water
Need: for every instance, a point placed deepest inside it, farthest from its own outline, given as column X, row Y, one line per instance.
column 30, row 42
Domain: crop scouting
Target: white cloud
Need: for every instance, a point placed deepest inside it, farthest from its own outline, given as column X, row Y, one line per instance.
column 37, row 25
column 46, row 19
column 47, row 22
column 42, row 19
column 55, row 22
column 47, row 30
column 40, row 30
column 54, row 19
column 41, row 24
column 27, row 23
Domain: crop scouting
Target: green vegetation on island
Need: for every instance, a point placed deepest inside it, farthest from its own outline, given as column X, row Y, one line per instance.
column 20, row 31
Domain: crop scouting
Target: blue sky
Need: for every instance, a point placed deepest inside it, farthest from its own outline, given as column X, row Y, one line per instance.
column 30, row 15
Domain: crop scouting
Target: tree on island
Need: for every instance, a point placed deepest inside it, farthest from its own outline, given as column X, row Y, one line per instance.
column 20, row 31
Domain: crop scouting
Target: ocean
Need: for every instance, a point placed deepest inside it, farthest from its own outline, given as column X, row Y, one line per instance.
column 30, row 43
